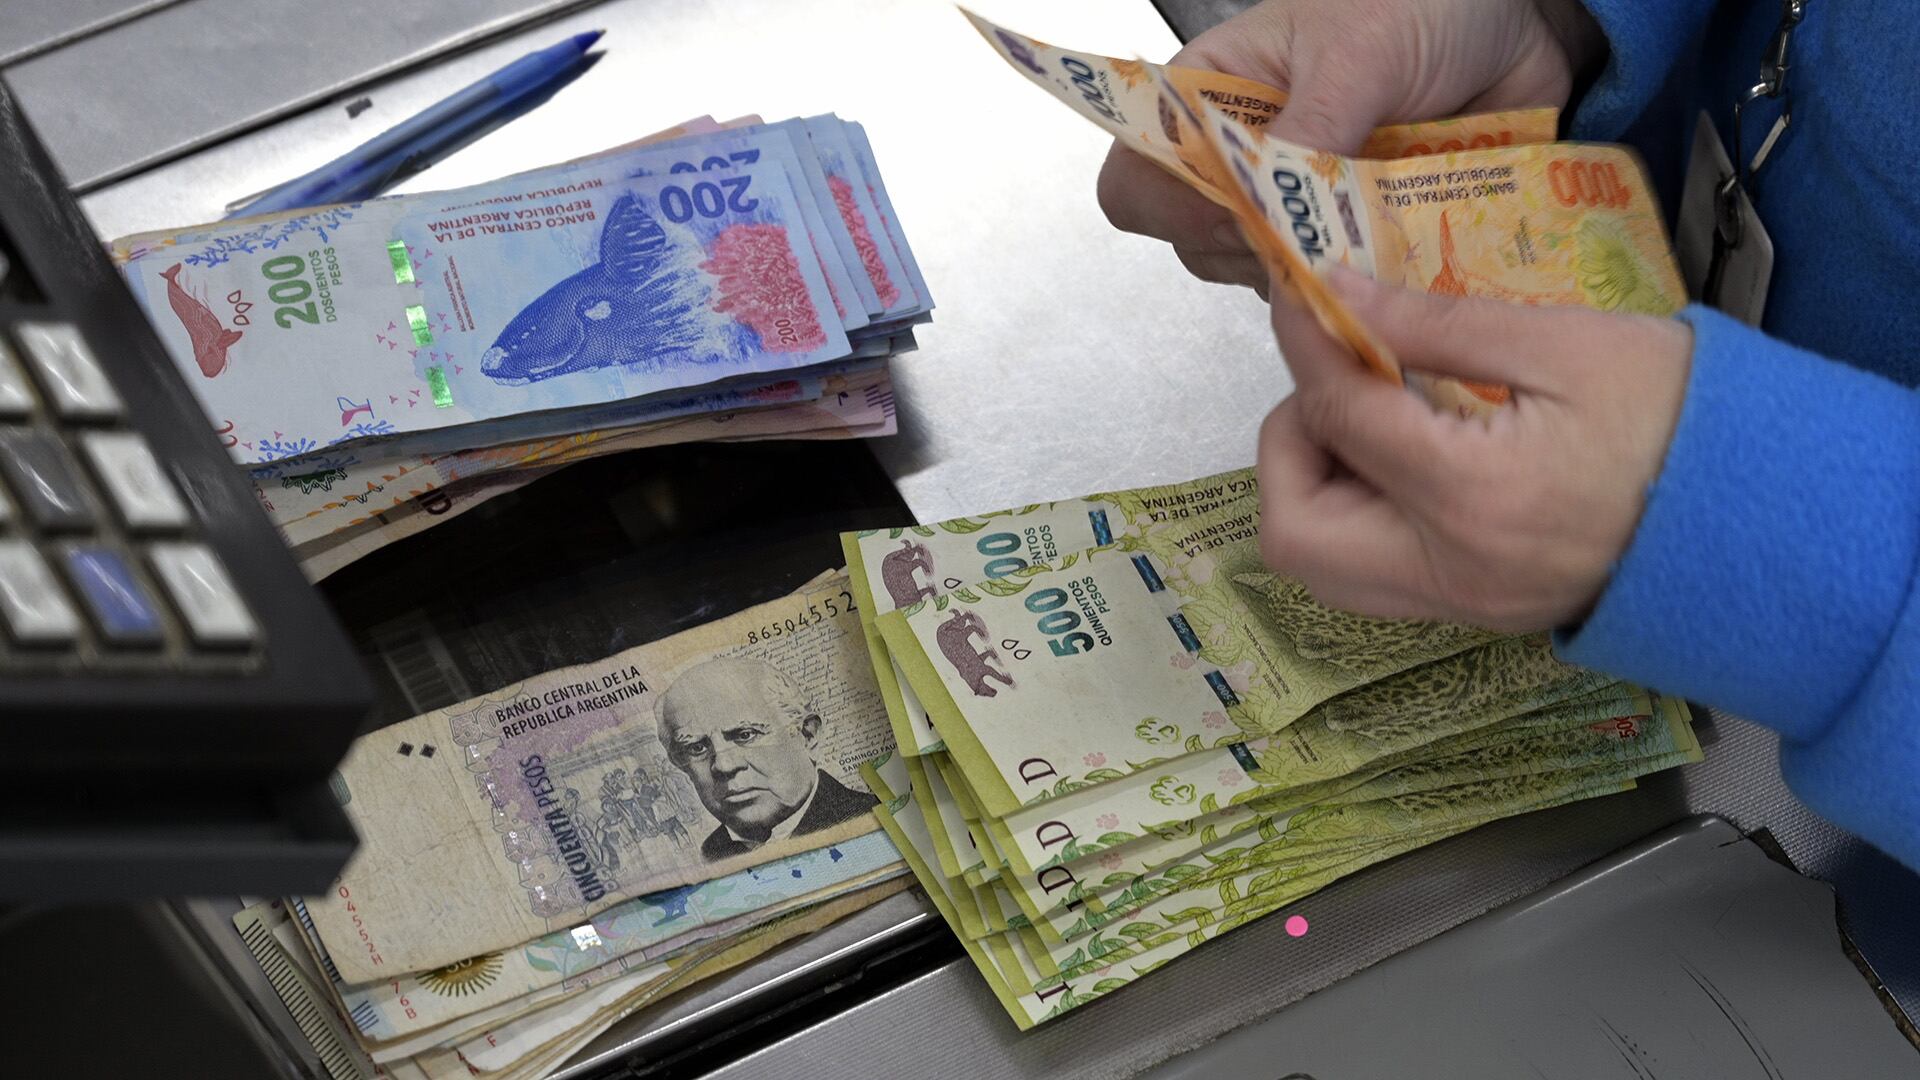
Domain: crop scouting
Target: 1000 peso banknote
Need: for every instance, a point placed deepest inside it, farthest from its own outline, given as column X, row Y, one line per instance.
column 1488, row 206
column 1556, row 223
column 1121, row 98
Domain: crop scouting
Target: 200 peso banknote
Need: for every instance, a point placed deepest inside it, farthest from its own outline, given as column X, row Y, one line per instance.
column 579, row 285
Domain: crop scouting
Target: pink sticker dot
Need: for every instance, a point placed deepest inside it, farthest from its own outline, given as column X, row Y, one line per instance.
column 1296, row 926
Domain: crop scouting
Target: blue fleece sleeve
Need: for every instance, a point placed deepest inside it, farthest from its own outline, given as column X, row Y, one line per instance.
column 1645, row 38
column 1773, row 572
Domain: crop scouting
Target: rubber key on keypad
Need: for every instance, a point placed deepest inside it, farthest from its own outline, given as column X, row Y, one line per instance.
column 16, row 397
column 119, row 604
column 134, row 480
column 71, row 375
column 203, row 594
column 44, row 479
column 36, row 612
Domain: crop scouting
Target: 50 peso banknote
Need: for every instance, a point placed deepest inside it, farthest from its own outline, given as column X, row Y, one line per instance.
column 529, row 809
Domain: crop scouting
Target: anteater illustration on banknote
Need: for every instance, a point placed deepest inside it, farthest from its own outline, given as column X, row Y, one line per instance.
column 898, row 570
column 977, row 666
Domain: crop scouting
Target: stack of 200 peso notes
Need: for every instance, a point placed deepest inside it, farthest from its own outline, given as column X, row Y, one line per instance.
column 1120, row 735
column 380, row 366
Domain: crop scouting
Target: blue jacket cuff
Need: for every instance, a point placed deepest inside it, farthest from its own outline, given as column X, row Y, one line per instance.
column 1778, row 544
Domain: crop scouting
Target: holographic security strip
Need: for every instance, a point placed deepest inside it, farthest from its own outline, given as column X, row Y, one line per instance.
column 402, row 264
column 442, row 393
column 1221, row 690
column 1102, row 532
column 422, row 329
column 1148, row 574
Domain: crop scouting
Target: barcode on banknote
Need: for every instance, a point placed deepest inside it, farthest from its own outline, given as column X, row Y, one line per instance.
column 295, row 993
column 420, row 662
column 306, row 923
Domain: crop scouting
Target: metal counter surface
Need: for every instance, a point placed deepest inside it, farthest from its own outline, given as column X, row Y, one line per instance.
column 1064, row 358
column 184, row 75
column 1691, row 953
column 34, row 28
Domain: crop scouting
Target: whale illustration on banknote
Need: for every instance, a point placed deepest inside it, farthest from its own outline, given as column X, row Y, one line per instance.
column 629, row 306
column 210, row 338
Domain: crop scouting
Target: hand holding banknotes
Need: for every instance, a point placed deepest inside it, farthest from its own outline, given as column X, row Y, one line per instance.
column 1384, row 506
column 1348, row 68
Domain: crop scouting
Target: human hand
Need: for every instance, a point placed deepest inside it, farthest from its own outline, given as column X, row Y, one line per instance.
column 1382, row 505
column 1348, row 67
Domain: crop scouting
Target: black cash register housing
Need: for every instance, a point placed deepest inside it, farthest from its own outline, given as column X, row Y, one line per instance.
column 173, row 694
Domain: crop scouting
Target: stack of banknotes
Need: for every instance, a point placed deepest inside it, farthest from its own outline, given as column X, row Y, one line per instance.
column 541, row 861
column 1480, row 205
column 1098, row 732
column 1119, row 735
column 381, row 366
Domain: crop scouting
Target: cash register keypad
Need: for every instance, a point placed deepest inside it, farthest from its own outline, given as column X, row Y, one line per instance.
column 101, row 563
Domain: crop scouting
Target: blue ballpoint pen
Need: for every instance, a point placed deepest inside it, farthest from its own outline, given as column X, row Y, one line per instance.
column 380, row 162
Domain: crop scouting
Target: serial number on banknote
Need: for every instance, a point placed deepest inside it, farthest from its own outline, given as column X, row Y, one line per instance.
column 373, row 951
column 820, row 611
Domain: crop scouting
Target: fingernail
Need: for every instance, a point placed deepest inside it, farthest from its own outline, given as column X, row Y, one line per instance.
column 1227, row 239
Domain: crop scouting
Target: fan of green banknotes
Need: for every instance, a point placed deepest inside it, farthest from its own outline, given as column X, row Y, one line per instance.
column 1119, row 735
